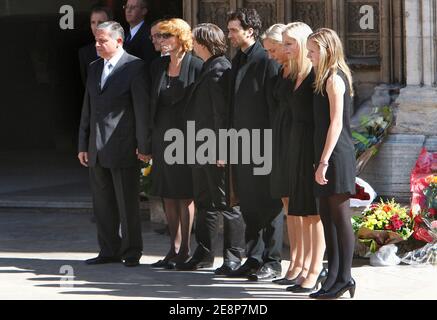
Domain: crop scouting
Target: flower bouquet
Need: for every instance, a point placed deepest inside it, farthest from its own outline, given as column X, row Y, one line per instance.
column 145, row 179
column 425, row 224
column 381, row 224
column 368, row 133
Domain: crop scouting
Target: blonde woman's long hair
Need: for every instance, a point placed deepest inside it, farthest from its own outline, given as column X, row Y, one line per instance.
column 331, row 60
column 301, row 66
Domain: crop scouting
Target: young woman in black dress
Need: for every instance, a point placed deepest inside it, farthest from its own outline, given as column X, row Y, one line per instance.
column 334, row 158
column 172, row 80
column 304, row 225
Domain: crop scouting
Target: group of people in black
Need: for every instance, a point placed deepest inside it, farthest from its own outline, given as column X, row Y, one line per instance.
column 290, row 80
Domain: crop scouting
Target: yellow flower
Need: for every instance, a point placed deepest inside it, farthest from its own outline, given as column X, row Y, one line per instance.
column 146, row 171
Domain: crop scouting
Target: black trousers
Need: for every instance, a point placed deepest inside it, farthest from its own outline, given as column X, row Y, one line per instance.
column 210, row 201
column 116, row 202
column 264, row 240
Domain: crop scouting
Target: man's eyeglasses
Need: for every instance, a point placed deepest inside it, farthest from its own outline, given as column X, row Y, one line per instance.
column 126, row 7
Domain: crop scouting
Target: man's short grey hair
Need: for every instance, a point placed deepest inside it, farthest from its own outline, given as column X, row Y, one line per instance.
column 115, row 29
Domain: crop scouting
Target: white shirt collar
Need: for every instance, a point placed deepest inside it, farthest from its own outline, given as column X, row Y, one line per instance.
column 114, row 60
column 134, row 30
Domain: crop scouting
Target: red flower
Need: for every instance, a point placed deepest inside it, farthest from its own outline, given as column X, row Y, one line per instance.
column 387, row 208
column 432, row 212
column 396, row 222
column 422, row 235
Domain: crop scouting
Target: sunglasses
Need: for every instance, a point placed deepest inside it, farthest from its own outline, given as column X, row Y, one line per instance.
column 166, row 35
column 159, row 36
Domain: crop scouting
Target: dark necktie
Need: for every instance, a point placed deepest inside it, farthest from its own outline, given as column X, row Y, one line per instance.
column 128, row 38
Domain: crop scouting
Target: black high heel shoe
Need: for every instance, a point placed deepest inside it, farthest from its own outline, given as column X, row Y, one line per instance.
column 335, row 294
column 316, row 295
column 285, row 282
column 299, row 289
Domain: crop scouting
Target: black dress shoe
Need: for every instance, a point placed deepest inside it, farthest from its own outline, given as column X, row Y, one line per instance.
column 265, row 273
column 164, row 264
column 102, row 260
column 335, row 294
column 227, row 268
column 131, row 262
column 285, row 281
column 251, row 266
column 194, row 264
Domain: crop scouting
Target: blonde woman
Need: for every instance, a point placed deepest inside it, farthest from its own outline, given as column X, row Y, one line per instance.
column 272, row 42
column 171, row 82
column 304, row 225
column 334, row 158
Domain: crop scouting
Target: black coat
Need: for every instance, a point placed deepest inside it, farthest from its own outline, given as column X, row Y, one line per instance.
column 87, row 54
column 114, row 119
column 252, row 105
column 141, row 46
column 190, row 70
column 207, row 105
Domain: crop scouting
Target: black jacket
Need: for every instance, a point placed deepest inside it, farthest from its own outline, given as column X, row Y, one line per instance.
column 206, row 104
column 190, row 70
column 250, row 88
column 114, row 119
column 87, row 54
column 141, row 46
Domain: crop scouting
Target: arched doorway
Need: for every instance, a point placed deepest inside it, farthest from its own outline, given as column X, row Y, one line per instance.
column 41, row 96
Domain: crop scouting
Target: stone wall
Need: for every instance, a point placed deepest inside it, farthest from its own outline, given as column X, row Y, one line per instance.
column 416, row 108
column 375, row 52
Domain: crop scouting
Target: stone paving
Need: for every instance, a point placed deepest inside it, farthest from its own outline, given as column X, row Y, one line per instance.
column 39, row 250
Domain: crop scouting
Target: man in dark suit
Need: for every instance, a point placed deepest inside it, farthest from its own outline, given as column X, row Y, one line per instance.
column 113, row 135
column 251, row 99
column 88, row 53
column 138, row 42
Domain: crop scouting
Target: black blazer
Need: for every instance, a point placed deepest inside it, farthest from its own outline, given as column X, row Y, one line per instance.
column 114, row 119
column 207, row 104
column 251, row 89
column 251, row 84
column 87, row 54
column 141, row 46
column 190, row 70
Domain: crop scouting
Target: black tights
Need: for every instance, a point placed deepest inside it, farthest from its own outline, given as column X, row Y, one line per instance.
column 339, row 237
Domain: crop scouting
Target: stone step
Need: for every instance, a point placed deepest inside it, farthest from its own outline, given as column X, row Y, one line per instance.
column 79, row 205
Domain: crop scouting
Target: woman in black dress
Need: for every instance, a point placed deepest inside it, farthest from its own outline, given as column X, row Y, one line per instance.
column 304, row 225
column 334, row 158
column 272, row 42
column 171, row 82
column 281, row 122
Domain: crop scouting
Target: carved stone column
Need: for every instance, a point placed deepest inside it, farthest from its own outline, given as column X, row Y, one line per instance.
column 416, row 120
column 417, row 112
